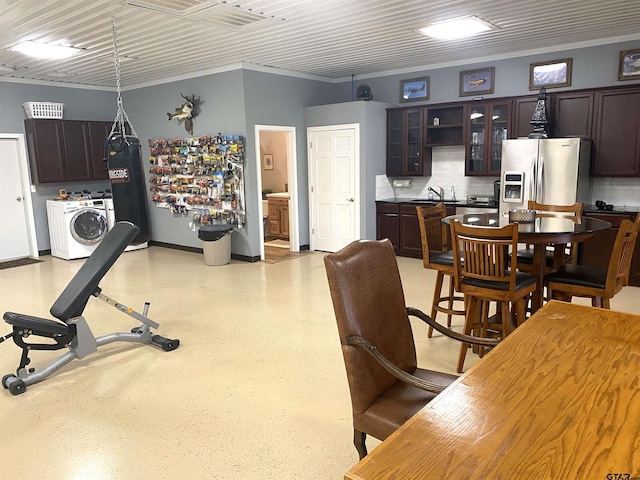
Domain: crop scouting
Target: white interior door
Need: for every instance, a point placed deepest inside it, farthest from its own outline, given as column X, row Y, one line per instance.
column 14, row 219
column 334, row 202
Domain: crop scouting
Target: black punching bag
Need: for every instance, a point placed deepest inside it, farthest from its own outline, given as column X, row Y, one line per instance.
column 127, row 184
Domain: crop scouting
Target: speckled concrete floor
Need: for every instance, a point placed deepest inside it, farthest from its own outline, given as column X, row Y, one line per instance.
column 257, row 389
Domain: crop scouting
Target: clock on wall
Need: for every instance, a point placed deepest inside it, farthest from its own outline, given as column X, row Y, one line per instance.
column 363, row 92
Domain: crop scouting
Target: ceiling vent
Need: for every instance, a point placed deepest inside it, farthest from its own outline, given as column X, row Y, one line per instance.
column 203, row 11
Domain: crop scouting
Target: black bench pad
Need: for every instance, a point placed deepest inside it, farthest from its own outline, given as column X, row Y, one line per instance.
column 41, row 325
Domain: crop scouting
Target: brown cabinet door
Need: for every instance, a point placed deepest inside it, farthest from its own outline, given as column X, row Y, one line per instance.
column 573, row 114
column 410, row 240
column 617, row 141
column 78, row 155
column 524, row 108
column 284, row 221
column 388, row 223
column 45, row 144
column 487, row 123
column 98, row 132
column 405, row 154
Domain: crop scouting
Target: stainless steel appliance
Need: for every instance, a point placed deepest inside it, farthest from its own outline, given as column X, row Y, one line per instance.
column 550, row 170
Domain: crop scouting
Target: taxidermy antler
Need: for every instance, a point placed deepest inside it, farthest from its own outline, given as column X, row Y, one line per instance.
column 186, row 112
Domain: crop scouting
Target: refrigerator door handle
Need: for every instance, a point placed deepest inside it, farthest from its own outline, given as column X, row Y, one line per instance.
column 540, row 179
column 532, row 179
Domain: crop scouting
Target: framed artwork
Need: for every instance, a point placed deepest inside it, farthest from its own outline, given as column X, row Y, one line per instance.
column 267, row 161
column 477, row 82
column 629, row 68
column 556, row 73
column 414, row 90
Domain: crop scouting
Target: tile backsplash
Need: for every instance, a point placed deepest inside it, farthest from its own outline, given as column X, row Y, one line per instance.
column 448, row 171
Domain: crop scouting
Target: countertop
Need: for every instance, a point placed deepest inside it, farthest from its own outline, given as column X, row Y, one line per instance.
column 424, row 201
column 278, row 195
column 617, row 210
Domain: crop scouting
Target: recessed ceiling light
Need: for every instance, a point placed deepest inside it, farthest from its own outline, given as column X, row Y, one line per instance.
column 44, row 50
column 457, row 28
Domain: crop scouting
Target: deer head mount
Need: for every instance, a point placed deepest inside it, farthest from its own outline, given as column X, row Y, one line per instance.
column 187, row 112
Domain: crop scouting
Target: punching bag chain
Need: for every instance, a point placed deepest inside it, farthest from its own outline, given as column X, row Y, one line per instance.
column 121, row 117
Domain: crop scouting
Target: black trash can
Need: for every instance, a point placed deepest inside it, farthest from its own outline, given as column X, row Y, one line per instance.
column 216, row 243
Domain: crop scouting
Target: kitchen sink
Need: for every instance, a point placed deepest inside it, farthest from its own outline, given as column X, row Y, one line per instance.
column 425, row 200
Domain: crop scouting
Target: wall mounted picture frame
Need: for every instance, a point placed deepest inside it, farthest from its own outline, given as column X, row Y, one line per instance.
column 629, row 68
column 267, row 161
column 477, row 82
column 414, row 90
column 551, row 74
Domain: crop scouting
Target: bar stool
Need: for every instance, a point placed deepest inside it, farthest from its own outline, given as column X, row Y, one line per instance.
column 525, row 256
column 597, row 283
column 436, row 256
column 482, row 256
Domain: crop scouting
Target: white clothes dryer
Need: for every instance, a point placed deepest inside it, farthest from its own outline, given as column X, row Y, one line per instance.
column 76, row 228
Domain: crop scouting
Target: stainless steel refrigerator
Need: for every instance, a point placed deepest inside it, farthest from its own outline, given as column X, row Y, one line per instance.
column 550, row 170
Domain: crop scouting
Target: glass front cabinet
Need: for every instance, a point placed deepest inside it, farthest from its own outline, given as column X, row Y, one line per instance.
column 487, row 124
column 405, row 154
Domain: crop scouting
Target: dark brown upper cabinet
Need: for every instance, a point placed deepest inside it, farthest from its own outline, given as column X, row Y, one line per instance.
column 487, row 124
column 617, row 138
column 405, row 155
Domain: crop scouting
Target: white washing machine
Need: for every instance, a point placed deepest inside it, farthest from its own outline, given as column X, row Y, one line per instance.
column 76, row 228
column 111, row 221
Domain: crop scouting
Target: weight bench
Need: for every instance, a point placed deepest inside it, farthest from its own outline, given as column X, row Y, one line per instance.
column 72, row 331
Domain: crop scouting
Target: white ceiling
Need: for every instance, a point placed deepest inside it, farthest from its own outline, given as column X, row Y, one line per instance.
column 332, row 39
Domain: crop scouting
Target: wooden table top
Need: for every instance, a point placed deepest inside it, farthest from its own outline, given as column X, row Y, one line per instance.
column 559, row 398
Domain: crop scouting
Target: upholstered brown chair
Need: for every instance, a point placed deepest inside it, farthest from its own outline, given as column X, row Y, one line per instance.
column 525, row 255
column 437, row 256
column 387, row 387
column 597, row 283
column 482, row 256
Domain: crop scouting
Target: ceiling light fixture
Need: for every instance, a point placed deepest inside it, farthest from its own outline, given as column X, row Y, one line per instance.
column 44, row 50
column 457, row 28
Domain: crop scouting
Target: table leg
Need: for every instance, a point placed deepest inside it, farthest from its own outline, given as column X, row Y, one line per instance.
column 539, row 260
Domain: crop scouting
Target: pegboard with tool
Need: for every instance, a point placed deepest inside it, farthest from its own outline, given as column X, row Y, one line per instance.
column 200, row 176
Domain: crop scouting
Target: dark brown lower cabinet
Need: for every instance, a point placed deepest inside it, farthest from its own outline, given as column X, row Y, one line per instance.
column 596, row 251
column 399, row 223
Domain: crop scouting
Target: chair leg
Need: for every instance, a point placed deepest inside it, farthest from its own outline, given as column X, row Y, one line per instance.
column 506, row 320
column 605, row 303
column 437, row 291
column 469, row 319
column 450, row 302
column 359, row 439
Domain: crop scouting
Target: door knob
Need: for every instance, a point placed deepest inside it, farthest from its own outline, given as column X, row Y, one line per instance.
column 350, row 199
column 19, row 199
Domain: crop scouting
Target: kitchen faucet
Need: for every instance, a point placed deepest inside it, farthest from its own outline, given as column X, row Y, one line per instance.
column 440, row 194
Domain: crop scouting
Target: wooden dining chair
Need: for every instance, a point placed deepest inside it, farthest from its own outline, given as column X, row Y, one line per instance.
column 597, row 283
column 437, row 256
column 386, row 385
column 482, row 256
column 525, row 255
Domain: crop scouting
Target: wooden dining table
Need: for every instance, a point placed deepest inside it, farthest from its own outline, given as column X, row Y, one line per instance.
column 559, row 398
column 547, row 229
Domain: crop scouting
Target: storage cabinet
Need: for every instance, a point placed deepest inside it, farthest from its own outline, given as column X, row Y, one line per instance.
column 399, row 223
column 98, row 133
column 572, row 114
column 487, row 125
column 66, row 150
column 405, row 156
column 47, row 156
column 444, row 126
column 596, row 252
column 617, row 140
column 279, row 217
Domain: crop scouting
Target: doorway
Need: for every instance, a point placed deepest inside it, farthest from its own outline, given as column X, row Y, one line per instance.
column 17, row 224
column 276, row 173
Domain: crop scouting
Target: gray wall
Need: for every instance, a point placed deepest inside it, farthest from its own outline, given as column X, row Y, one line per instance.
column 371, row 116
column 592, row 67
column 236, row 101
column 79, row 104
